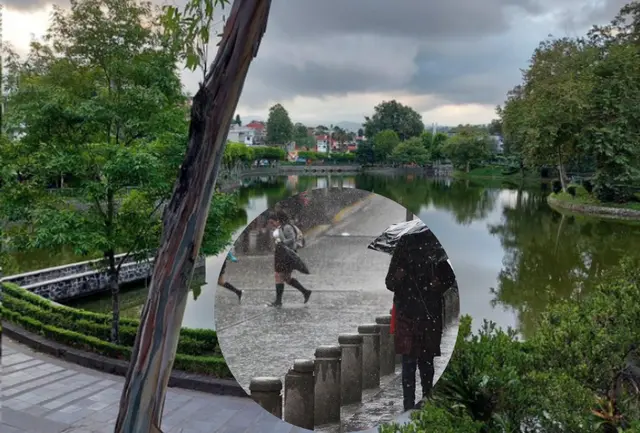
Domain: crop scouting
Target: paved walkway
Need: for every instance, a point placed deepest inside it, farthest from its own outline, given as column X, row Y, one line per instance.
column 41, row 394
column 349, row 290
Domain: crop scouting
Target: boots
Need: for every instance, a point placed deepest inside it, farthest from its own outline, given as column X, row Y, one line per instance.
column 279, row 293
column 296, row 284
column 230, row 286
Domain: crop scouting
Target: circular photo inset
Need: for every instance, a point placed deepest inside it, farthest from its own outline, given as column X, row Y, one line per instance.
column 337, row 310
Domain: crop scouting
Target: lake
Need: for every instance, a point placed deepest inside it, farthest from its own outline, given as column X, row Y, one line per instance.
column 511, row 252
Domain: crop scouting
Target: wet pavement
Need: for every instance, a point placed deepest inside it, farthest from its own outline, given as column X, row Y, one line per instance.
column 349, row 290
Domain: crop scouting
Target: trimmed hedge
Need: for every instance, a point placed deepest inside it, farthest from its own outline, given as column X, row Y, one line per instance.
column 198, row 350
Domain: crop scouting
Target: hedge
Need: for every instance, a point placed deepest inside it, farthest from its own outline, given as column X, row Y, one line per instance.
column 198, row 350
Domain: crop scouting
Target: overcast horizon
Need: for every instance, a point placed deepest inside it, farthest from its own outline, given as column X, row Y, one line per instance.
column 331, row 62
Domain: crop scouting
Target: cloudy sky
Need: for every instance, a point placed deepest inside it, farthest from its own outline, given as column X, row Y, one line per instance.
column 330, row 61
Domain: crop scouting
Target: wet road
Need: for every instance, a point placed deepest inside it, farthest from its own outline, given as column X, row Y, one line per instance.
column 348, row 283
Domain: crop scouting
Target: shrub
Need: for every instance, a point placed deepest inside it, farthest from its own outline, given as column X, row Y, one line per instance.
column 588, row 186
column 572, row 190
column 556, row 186
column 198, row 349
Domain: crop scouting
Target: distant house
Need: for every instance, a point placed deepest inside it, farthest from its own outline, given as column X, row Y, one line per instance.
column 241, row 134
column 259, row 131
column 498, row 143
column 322, row 143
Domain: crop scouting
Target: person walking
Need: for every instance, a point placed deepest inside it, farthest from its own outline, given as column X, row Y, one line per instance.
column 417, row 319
column 285, row 256
column 225, row 284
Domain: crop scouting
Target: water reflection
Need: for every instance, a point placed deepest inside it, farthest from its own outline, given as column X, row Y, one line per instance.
column 512, row 254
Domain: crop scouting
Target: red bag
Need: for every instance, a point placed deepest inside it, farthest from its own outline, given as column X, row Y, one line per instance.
column 392, row 329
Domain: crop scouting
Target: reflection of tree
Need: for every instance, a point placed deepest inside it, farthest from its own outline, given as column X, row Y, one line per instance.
column 467, row 203
column 550, row 257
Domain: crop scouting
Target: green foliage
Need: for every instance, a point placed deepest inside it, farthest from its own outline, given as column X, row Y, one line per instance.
column 279, row 126
column 198, row 350
column 270, row 153
column 237, row 152
column 552, row 382
column 383, row 144
column 225, row 217
column 577, row 106
column 392, row 115
column 410, row 151
column 467, row 149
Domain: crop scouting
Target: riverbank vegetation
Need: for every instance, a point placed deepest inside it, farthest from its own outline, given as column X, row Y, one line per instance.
column 579, row 372
column 576, row 109
column 108, row 120
column 198, row 349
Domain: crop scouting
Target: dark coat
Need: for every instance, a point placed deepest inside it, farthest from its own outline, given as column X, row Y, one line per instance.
column 418, row 303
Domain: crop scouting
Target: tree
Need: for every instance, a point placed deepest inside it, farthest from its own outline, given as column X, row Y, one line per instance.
column 103, row 114
column 495, row 127
column 186, row 215
column 279, row 126
column 321, row 130
column 238, row 121
column 301, row 136
column 383, row 144
column 556, row 87
column 613, row 132
column 392, row 115
column 360, row 132
column 411, row 151
column 467, row 148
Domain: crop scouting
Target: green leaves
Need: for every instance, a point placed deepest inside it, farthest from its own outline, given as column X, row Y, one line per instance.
column 279, row 126
column 392, row 115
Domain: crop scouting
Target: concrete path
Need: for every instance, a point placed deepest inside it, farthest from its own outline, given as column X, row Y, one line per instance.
column 349, row 290
column 45, row 395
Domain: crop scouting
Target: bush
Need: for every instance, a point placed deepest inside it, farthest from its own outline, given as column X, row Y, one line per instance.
column 556, row 186
column 198, row 349
column 571, row 190
column 553, row 382
column 588, row 186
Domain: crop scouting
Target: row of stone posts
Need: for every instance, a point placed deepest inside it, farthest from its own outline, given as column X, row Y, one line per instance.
column 315, row 390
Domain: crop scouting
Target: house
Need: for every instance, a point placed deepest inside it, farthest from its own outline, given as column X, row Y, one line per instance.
column 322, row 143
column 241, row 134
column 498, row 143
column 259, row 131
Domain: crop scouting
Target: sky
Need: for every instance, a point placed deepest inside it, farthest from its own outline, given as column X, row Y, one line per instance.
column 333, row 61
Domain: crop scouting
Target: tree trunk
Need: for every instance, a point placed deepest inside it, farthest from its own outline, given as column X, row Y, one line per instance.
column 184, row 220
column 468, row 167
column 563, row 180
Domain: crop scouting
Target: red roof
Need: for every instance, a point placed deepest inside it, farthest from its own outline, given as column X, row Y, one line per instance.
column 255, row 125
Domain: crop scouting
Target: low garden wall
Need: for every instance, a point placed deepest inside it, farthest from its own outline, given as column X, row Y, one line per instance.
column 31, row 317
column 63, row 283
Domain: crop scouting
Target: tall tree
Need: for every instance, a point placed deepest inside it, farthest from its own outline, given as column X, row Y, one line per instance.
column 392, row 115
column 556, row 87
column 301, row 136
column 185, row 217
column 279, row 126
column 411, row 151
column 613, row 134
column 383, row 144
column 467, row 148
column 238, row 121
column 360, row 132
column 106, row 113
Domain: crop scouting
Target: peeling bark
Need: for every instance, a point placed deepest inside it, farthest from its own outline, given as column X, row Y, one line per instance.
column 185, row 217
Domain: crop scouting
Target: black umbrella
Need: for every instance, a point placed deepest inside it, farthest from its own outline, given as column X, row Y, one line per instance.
column 416, row 238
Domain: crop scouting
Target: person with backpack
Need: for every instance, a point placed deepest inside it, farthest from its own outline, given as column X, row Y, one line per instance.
column 225, row 284
column 288, row 239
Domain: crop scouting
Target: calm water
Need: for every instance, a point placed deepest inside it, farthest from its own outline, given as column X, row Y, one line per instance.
column 512, row 254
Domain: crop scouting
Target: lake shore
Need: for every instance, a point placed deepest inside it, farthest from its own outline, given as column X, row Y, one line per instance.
column 600, row 211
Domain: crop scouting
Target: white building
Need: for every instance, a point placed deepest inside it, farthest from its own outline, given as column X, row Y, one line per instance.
column 241, row 134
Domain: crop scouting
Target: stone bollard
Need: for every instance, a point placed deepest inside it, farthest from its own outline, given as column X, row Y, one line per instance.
column 267, row 392
column 327, row 385
column 370, row 356
column 387, row 349
column 351, row 370
column 299, row 390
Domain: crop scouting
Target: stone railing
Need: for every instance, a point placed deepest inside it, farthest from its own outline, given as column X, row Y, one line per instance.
column 315, row 390
column 76, row 280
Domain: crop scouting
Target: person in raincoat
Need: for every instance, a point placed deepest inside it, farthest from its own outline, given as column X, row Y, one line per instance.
column 226, row 284
column 284, row 264
column 417, row 317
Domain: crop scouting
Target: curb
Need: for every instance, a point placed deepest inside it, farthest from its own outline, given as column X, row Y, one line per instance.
column 319, row 230
column 610, row 213
column 178, row 379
